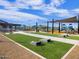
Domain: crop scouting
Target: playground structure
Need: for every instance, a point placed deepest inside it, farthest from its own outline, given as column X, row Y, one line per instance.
column 62, row 28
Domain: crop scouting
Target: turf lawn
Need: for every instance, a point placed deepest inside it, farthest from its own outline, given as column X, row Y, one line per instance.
column 53, row 50
column 47, row 34
column 73, row 37
column 57, row 35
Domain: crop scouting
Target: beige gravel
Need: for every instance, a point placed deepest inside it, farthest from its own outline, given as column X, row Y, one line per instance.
column 74, row 54
column 10, row 50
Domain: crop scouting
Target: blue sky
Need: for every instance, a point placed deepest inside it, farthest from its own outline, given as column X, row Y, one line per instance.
column 31, row 11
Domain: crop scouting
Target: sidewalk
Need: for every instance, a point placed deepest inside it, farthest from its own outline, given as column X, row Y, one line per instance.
column 10, row 50
column 69, row 41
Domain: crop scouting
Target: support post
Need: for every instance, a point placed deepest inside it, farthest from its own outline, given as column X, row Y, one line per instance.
column 78, row 23
column 59, row 27
column 11, row 28
column 19, row 27
column 52, row 26
column 36, row 27
column 47, row 26
column 15, row 27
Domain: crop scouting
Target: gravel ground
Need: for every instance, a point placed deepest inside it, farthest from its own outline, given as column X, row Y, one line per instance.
column 74, row 54
column 10, row 50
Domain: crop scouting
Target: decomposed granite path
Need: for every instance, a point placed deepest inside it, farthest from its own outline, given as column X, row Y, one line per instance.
column 10, row 50
column 74, row 54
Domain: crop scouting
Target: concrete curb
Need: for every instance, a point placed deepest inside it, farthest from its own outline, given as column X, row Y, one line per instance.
column 25, row 48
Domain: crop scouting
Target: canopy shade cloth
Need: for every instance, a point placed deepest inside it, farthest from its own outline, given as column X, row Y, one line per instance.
column 68, row 20
column 74, row 19
column 8, row 27
column 6, row 23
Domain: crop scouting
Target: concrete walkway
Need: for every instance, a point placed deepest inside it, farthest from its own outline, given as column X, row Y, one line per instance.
column 69, row 41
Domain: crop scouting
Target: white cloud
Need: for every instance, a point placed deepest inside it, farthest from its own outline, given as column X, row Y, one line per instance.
column 57, row 11
column 8, row 5
column 68, row 13
column 39, row 5
column 35, row 4
column 76, row 11
column 64, row 13
column 57, row 2
column 52, row 7
column 47, row 9
column 19, row 16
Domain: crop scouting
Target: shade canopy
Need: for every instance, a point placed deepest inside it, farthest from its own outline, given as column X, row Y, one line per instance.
column 68, row 20
column 6, row 23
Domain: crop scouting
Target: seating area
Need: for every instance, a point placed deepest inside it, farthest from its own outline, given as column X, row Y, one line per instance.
column 37, row 43
column 46, row 40
column 64, row 35
column 68, row 25
column 41, row 42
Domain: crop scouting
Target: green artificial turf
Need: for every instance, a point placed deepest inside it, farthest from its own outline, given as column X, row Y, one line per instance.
column 73, row 37
column 57, row 35
column 53, row 50
column 47, row 34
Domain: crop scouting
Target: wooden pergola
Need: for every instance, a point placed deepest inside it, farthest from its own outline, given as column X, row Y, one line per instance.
column 68, row 20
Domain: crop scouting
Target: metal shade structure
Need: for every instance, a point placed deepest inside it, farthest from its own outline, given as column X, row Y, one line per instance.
column 68, row 20
column 74, row 19
column 6, row 25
